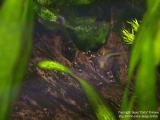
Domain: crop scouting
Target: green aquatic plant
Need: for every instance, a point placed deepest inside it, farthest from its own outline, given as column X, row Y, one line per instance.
column 129, row 35
column 44, row 2
column 47, row 15
column 144, row 60
column 64, row 2
column 16, row 26
column 87, row 33
column 44, row 13
column 102, row 111
column 15, row 47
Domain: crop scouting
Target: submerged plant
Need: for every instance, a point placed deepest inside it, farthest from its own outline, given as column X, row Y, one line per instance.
column 16, row 26
column 145, row 60
column 87, row 33
column 129, row 35
column 44, row 13
column 102, row 111
column 47, row 15
column 64, row 2
column 44, row 2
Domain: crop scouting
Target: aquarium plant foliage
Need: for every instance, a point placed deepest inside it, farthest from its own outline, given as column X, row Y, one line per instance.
column 64, row 2
column 16, row 33
column 145, row 60
column 87, row 33
column 129, row 35
column 16, row 26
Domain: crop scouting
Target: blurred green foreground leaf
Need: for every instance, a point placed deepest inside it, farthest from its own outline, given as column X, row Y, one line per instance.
column 15, row 45
column 145, row 59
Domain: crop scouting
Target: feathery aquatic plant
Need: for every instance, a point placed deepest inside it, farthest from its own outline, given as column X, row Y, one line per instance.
column 129, row 36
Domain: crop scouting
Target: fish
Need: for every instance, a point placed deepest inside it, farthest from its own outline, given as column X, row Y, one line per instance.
column 103, row 60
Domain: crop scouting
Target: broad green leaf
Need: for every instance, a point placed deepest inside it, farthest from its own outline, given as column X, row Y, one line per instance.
column 146, row 78
column 157, row 46
column 144, row 59
column 15, row 46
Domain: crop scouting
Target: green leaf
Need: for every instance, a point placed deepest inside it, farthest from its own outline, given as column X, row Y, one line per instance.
column 15, row 46
column 102, row 111
column 144, row 60
column 52, row 65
